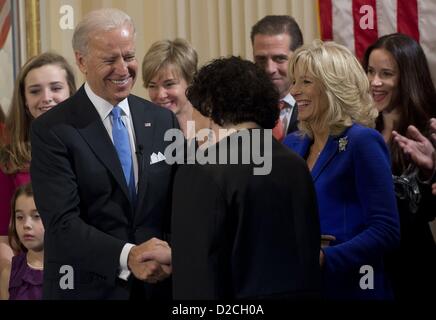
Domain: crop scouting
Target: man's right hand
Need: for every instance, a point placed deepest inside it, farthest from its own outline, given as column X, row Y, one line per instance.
column 149, row 271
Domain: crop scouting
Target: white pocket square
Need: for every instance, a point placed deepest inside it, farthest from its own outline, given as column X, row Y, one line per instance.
column 154, row 158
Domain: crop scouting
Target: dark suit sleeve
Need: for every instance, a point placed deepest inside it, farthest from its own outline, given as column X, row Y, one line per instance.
column 293, row 122
column 375, row 190
column 68, row 238
column 167, row 211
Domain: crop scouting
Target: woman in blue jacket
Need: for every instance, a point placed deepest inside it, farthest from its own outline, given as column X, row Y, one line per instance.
column 350, row 167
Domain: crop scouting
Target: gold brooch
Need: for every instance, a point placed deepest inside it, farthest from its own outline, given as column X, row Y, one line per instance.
column 343, row 143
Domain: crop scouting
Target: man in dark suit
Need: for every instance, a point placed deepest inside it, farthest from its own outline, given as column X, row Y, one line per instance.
column 274, row 39
column 100, row 184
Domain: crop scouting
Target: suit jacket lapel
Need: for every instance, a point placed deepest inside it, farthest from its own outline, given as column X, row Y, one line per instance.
column 327, row 154
column 143, row 125
column 89, row 125
column 293, row 122
column 330, row 150
column 302, row 146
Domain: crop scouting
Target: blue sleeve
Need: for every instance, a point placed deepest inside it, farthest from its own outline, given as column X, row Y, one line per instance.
column 293, row 140
column 288, row 140
column 375, row 190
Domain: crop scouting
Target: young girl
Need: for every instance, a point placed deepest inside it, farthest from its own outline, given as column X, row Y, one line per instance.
column 22, row 280
column 43, row 82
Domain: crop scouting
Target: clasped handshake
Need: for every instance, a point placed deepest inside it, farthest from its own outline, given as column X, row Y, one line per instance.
column 150, row 261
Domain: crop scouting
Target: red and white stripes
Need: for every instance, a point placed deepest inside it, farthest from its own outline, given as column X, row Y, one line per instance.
column 5, row 20
column 358, row 23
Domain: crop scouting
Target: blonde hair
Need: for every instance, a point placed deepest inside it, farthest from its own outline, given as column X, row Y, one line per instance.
column 177, row 53
column 15, row 155
column 344, row 82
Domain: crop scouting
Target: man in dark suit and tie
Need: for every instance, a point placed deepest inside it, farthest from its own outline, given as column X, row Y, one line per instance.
column 102, row 192
column 274, row 39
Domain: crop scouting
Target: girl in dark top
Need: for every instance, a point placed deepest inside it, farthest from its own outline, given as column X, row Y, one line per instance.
column 22, row 280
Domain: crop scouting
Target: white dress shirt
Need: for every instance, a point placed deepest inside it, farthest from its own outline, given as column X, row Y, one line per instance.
column 287, row 112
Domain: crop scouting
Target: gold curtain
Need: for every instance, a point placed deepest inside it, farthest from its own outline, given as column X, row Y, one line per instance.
column 33, row 37
column 214, row 27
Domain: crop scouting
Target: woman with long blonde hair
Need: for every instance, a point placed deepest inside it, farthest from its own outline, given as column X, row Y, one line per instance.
column 350, row 167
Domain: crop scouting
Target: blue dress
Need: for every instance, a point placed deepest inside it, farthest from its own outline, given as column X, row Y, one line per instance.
column 357, row 205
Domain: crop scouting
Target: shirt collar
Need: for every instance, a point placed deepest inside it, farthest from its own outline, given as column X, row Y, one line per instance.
column 289, row 100
column 103, row 107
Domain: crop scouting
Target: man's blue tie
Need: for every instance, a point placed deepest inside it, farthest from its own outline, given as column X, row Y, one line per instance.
column 122, row 145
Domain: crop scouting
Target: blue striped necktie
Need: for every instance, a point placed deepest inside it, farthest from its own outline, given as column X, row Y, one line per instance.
column 121, row 140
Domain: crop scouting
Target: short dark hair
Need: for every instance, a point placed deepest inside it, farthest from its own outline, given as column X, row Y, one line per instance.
column 232, row 90
column 416, row 93
column 273, row 25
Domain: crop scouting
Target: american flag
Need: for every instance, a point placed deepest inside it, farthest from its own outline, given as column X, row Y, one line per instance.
column 358, row 23
column 5, row 20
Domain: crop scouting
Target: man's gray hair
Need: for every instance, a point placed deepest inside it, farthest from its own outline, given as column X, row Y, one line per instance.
column 100, row 20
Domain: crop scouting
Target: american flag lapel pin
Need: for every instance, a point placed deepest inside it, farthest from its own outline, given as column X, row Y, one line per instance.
column 147, row 124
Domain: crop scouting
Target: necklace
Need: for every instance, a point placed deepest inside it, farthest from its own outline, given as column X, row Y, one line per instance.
column 35, row 267
column 316, row 152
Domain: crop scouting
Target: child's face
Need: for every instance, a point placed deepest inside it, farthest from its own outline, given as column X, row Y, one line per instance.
column 29, row 225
